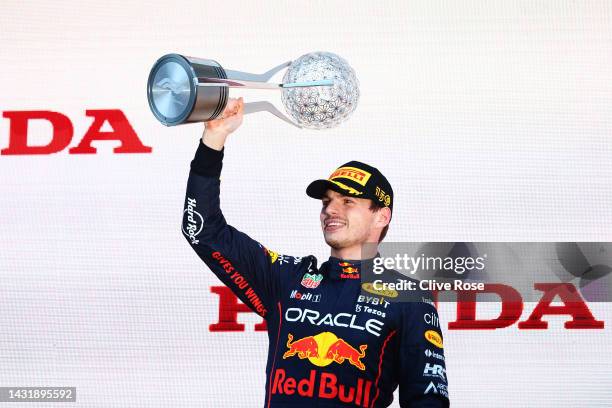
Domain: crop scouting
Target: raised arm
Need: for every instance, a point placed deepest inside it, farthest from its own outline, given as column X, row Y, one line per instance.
column 241, row 263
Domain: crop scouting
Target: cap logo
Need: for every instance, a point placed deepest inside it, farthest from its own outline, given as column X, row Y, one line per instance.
column 350, row 190
column 352, row 173
column 383, row 197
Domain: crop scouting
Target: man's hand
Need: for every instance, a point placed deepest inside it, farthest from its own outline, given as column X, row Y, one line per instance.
column 216, row 131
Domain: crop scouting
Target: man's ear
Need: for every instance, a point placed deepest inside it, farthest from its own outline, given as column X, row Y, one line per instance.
column 383, row 217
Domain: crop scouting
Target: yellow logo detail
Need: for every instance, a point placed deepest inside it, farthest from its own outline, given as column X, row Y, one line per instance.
column 383, row 197
column 347, row 188
column 369, row 287
column 325, row 348
column 434, row 338
column 351, row 173
column 273, row 255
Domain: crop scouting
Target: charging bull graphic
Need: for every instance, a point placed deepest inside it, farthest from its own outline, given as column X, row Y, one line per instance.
column 325, row 348
column 304, row 348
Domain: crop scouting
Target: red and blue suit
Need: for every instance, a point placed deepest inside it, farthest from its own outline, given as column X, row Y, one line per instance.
column 334, row 341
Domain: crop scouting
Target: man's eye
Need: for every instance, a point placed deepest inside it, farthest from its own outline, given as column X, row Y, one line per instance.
column 348, row 201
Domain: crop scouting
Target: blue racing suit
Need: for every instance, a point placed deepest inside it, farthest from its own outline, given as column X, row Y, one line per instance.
column 333, row 340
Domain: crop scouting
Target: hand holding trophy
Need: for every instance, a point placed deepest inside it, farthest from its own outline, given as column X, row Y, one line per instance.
column 217, row 130
column 319, row 90
column 230, row 119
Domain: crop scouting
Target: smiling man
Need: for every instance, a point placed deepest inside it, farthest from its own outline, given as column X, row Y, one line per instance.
column 333, row 341
column 356, row 209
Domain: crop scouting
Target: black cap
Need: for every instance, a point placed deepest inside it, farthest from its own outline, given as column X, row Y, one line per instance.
column 355, row 179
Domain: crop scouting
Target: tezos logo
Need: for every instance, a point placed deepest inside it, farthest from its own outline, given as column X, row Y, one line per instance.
column 193, row 222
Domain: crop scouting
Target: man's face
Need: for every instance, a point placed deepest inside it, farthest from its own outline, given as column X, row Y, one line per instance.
column 347, row 221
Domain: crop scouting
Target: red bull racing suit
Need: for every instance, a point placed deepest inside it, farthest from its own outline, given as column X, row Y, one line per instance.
column 334, row 341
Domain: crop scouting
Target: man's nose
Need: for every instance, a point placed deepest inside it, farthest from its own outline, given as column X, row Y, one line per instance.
column 332, row 208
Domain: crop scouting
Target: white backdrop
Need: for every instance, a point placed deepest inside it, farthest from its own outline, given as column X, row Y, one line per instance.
column 492, row 120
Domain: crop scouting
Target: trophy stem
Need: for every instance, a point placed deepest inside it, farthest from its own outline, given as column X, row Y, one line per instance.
column 261, row 106
column 233, row 83
column 247, row 76
column 322, row 82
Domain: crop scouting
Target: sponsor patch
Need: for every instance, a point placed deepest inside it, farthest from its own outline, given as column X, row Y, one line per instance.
column 311, row 281
column 349, row 271
column 383, row 197
column 430, row 354
column 305, row 296
column 325, row 348
column 352, row 173
column 314, row 317
column 434, row 370
column 428, row 301
column 369, row 287
column 343, row 186
column 193, row 222
column 374, row 301
column 439, row 389
column 367, row 309
column 434, row 338
column 271, row 254
column 431, row 319
column 323, row 386
column 431, row 388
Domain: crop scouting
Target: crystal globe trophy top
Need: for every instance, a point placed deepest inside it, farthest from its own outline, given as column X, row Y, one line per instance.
column 319, row 90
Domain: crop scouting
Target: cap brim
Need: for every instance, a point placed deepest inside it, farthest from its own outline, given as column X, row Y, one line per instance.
column 318, row 188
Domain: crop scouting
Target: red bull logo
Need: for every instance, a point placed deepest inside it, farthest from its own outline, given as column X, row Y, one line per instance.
column 324, row 349
column 305, row 348
column 329, row 387
column 350, row 273
column 341, row 351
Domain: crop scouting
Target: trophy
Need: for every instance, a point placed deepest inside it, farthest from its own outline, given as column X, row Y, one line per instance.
column 319, row 90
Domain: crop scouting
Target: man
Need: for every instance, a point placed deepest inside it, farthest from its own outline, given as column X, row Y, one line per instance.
column 330, row 344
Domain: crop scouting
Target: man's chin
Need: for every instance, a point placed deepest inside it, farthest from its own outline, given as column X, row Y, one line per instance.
column 332, row 241
column 336, row 240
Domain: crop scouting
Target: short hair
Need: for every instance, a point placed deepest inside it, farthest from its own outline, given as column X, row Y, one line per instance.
column 375, row 208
